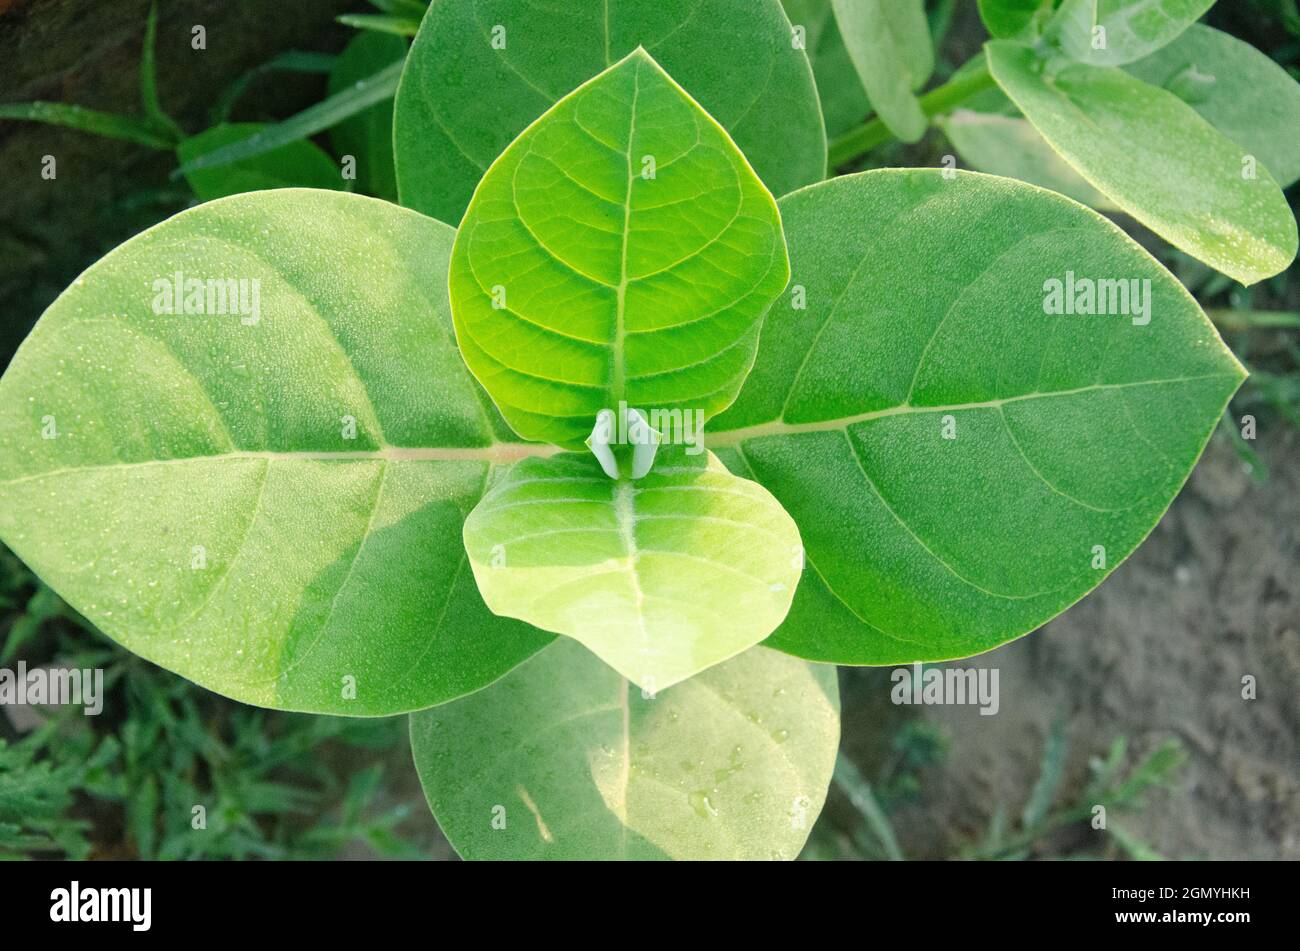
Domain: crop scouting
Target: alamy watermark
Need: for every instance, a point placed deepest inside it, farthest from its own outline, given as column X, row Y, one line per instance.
column 53, row 687
column 133, row 906
column 179, row 295
column 644, row 433
column 1124, row 297
column 942, row 686
column 675, row 427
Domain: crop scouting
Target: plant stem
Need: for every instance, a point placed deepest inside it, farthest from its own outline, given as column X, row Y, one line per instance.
column 858, row 142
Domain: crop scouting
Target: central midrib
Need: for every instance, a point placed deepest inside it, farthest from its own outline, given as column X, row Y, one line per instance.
column 496, row 454
column 779, row 427
column 619, row 371
column 505, row 453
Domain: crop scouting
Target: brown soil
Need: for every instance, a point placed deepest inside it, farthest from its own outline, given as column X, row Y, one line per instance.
column 1158, row 651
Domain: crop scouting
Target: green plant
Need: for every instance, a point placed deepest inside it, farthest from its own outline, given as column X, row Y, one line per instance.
column 321, row 453
column 170, row 771
column 361, row 131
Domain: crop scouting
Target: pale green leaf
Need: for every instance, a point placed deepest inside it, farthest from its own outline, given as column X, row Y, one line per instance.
column 1068, row 431
column 265, row 498
column 563, row 759
column 1015, row 19
column 1237, row 89
column 300, row 163
column 843, row 98
column 1155, row 158
column 889, row 44
column 1115, row 32
column 463, row 99
column 621, row 249
column 368, row 135
column 844, row 101
column 1010, row 146
column 661, row 577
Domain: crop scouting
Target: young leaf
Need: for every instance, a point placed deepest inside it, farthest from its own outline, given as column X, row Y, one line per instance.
column 297, row 163
column 889, row 43
column 621, row 249
column 1237, row 89
column 1009, row 146
column 1155, row 158
column 1015, row 19
column 660, row 578
column 261, row 486
column 368, row 136
column 479, row 72
column 1115, row 32
column 571, row 762
column 962, row 464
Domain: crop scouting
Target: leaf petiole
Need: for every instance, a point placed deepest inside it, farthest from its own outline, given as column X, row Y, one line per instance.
column 858, row 142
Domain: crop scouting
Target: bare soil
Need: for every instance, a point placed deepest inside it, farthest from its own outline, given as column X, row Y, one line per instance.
column 1158, row 651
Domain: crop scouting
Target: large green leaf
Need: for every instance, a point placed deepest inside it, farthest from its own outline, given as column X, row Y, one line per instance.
column 300, row 163
column 1115, row 32
column 463, row 99
column 889, row 44
column 1155, row 158
column 562, row 759
column 267, row 501
column 925, row 319
column 1237, row 89
column 620, row 250
column 661, row 577
column 368, row 135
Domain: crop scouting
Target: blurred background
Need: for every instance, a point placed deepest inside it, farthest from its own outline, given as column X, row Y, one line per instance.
column 1132, row 698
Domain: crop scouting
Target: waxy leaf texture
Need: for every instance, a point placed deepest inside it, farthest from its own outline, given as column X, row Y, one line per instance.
column 660, row 577
column 889, row 44
column 621, row 250
column 1237, row 89
column 1115, row 32
column 1156, row 158
column 480, row 71
column 265, row 498
column 564, row 759
column 962, row 464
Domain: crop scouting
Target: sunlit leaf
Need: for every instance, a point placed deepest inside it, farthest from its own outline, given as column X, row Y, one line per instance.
column 962, row 463
column 569, row 761
column 621, row 250
column 263, row 489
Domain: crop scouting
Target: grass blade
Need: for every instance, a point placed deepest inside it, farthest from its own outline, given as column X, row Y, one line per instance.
column 292, row 61
column 1251, row 319
column 1049, row 777
column 88, row 120
column 382, row 85
column 855, row 786
column 381, row 22
column 149, row 80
